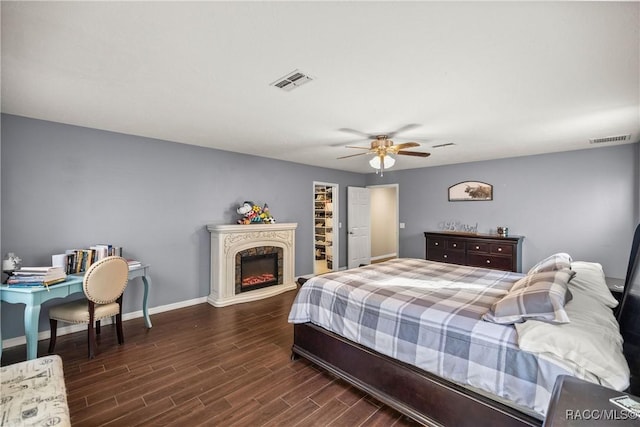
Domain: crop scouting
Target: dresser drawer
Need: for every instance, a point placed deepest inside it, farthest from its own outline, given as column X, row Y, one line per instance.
column 489, row 261
column 440, row 243
column 500, row 249
column 456, row 245
column 435, row 243
column 481, row 247
column 443, row 255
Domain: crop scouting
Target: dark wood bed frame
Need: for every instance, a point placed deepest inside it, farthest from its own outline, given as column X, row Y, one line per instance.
column 432, row 400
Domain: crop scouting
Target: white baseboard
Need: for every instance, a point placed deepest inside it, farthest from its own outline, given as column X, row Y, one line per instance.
column 376, row 258
column 45, row 335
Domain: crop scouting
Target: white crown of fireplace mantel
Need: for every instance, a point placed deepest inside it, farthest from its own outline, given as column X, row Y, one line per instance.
column 229, row 239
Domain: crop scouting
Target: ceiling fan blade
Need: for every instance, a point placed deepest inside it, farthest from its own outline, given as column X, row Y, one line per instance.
column 352, row 155
column 407, row 145
column 351, row 141
column 356, row 132
column 413, row 153
column 404, row 128
column 353, row 146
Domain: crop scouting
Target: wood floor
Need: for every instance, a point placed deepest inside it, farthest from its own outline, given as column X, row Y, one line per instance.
column 207, row 366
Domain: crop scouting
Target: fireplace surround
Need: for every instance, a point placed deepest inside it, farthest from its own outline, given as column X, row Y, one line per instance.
column 266, row 243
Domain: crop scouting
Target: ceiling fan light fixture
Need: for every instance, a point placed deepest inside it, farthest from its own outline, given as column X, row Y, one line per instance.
column 381, row 146
column 387, row 163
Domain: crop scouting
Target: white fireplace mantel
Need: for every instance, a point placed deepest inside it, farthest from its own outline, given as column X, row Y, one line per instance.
column 229, row 239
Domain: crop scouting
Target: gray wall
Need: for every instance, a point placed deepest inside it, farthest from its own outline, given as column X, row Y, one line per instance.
column 583, row 202
column 65, row 187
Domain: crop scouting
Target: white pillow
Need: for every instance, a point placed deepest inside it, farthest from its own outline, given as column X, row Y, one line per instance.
column 591, row 340
column 589, row 277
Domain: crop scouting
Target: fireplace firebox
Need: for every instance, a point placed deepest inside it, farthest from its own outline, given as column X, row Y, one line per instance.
column 258, row 271
column 258, row 267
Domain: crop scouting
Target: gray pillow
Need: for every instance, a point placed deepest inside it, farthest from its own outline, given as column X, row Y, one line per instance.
column 554, row 262
column 539, row 296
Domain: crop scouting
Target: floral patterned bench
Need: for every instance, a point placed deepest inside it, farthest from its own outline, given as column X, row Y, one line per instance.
column 33, row 393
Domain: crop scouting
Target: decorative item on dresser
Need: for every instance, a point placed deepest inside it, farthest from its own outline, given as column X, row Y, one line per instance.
column 475, row 250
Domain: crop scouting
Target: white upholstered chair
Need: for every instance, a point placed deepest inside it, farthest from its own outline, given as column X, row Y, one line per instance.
column 103, row 285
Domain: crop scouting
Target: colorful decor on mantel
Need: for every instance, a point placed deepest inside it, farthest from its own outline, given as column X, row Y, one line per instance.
column 254, row 214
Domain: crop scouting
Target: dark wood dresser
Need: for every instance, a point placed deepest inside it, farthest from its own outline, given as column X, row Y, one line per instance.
column 476, row 250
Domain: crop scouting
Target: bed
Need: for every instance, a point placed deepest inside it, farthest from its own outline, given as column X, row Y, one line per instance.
column 427, row 339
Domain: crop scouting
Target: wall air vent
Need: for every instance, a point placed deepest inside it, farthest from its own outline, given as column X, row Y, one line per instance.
column 292, row 80
column 446, row 144
column 618, row 138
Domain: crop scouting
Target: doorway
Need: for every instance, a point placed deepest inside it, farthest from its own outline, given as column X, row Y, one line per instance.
column 372, row 224
column 325, row 227
column 385, row 223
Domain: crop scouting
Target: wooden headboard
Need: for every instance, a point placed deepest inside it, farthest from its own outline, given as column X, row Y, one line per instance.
column 629, row 313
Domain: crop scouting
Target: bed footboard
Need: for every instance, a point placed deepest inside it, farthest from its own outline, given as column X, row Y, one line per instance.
column 426, row 398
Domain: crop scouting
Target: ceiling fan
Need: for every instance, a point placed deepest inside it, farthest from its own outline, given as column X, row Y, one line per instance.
column 382, row 147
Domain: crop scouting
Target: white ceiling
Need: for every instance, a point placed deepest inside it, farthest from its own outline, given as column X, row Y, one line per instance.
column 498, row 79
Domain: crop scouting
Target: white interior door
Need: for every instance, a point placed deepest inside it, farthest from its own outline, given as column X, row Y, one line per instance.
column 358, row 226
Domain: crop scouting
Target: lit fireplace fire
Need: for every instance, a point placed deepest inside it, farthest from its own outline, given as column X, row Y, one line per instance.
column 256, row 280
column 257, row 268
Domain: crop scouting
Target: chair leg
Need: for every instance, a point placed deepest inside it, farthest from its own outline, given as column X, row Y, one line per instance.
column 97, row 327
column 119, row 329
column 91, row 336
column 53, row 324
column 119, row 321
column 91, row 340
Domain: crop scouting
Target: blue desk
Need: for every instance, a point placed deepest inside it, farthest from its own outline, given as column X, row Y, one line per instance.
column 33, row 298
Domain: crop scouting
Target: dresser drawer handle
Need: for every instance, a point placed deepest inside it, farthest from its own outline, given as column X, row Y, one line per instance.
column 477, row 247
column 499, row 249
column 455, row 245
column 488, row 261
column 444, row 256
column 436, row 244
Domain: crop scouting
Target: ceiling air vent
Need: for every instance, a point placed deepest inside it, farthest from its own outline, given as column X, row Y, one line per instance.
column 292, row 80
column 606, row 139
column 446, row 144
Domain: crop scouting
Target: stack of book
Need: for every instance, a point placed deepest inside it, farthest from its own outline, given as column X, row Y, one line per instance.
column 78, row 260
column 133, row 264
column 36, row 276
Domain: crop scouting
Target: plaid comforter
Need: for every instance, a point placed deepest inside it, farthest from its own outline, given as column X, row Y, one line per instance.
column 428, row 314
